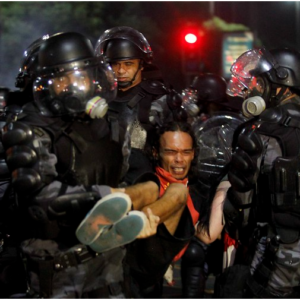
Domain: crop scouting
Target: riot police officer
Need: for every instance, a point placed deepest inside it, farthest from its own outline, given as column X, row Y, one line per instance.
column 140, row 103
column 266, row 162
column 62, row 157
column 11, row 263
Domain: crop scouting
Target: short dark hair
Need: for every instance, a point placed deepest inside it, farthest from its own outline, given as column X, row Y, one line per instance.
column 173, row 126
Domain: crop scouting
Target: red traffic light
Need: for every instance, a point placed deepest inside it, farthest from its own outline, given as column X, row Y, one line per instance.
column 190, row 38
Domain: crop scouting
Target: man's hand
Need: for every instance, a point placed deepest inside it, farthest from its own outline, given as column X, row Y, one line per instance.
column 151, row 225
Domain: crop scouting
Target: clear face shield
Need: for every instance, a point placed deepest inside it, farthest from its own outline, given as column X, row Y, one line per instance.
column 75, row 90
column 245, row 81
column 122, row 32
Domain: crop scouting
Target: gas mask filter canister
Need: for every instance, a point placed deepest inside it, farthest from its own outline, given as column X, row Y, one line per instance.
column 96, row 108
column 253, row 106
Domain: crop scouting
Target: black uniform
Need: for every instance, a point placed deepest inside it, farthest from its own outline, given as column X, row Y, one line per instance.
column 275, row 159
column 53, row 253
column 13, row 277
column 134, row 109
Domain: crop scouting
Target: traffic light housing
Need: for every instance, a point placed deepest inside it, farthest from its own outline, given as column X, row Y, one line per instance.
column 191, row 51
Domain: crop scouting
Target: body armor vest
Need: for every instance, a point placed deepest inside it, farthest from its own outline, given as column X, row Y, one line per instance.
column 85, row 159
column 132, row 108
column 283, row 178
column 85, row 151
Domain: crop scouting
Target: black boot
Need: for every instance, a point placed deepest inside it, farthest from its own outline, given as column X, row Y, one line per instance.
column 192, row 270
column 193, row 282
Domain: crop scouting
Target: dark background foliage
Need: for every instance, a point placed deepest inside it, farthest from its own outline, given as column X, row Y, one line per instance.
column 21, row 23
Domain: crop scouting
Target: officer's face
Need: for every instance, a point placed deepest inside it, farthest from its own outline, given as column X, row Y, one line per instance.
column 176, row 153
column 76, row 79
column 126, row 70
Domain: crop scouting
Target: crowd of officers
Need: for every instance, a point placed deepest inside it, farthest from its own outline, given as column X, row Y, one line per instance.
column 88, row 121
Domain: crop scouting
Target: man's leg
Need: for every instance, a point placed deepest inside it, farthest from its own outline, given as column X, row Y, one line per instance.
column 142, row 194
column 143, row 218
column 168, row 208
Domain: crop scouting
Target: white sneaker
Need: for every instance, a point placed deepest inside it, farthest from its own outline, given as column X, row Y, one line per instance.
column 121, row 233
column 107, row 211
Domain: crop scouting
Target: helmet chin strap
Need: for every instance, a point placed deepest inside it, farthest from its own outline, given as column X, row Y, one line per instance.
column 125, row 84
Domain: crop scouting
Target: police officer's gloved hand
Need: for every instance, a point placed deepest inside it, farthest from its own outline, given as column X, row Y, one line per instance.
column 28, row 158
column 243, row 169
column 72, row 208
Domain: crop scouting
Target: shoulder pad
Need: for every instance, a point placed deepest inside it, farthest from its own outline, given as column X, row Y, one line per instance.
column 154, row 87
column 273, row 115
column 283, row 115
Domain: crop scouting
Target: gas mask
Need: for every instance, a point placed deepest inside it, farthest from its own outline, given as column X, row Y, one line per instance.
column 256, row 76
column 75, row 92
column 189, row 102
column 255, row 104
column 253, row 94
column 75, row 101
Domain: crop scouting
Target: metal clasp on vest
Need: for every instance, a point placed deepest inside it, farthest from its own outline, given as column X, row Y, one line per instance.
column 287, row 121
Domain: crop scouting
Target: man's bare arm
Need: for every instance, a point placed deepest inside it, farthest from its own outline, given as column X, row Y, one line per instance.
column 216, row 221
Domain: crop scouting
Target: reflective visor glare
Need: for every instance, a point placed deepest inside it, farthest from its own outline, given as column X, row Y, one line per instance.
column 245, row 63
column 75, row 79
column 235, row 88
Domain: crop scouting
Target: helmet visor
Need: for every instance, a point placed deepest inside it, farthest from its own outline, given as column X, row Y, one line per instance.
column 236, row 88
column 249, row 64
column 68, row 92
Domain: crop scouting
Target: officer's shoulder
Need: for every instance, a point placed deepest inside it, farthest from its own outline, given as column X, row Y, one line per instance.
column 154, row 87
column 275, row 114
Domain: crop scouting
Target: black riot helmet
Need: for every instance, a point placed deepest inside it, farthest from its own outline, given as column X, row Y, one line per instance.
column 211, row 89
column 260, row 72
column 71, row 79
column 122, row 43
column 287, row 70
column 29, row 64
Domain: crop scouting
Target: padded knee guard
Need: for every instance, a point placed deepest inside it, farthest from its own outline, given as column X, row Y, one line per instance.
column 194, row 255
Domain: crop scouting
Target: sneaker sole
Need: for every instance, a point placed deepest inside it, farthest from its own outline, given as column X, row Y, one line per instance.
column 107, row 211
column 123, row 232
